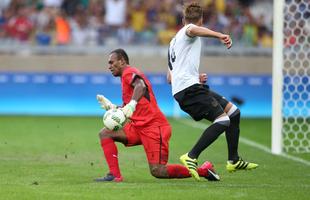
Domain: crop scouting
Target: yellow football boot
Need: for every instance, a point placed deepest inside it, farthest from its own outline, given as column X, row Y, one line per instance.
column 240, row 165
column 191, row 165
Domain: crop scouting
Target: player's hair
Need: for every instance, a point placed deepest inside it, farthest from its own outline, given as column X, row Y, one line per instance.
column 193, row 12
column 121, row 53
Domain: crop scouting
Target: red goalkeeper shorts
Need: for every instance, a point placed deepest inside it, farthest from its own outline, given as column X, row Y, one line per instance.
column 155, row 141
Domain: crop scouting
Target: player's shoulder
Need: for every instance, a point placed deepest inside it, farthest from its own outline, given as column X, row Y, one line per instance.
column 131, row 70
column 182, row 33
column 128, row 69
column 132, row 73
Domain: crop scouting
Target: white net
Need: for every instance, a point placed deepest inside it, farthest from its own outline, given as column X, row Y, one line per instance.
column 296, row 76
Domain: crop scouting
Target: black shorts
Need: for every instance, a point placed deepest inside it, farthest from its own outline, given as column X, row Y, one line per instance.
column 201, row 103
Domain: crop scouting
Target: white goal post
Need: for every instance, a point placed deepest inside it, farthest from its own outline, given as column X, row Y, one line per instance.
column 277, row 83
column 291, row 77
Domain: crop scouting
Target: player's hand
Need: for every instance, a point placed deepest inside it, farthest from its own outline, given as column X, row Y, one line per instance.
column 226, row 40
column 129, row 108
column 104, row 102
column 203, row 78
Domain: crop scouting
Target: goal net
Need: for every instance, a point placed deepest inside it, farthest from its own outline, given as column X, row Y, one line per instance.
column 291, row 77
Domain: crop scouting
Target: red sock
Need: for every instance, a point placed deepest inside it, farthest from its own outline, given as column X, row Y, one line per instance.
column 177, row 171
column 202, row 172
column 110, row 152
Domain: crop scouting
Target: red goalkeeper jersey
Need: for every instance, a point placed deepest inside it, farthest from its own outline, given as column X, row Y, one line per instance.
column 147, row 112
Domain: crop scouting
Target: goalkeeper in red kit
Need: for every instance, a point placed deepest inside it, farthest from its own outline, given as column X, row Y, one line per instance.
column 147, row 126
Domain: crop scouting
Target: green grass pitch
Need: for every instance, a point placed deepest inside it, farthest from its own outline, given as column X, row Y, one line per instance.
column 58, row 157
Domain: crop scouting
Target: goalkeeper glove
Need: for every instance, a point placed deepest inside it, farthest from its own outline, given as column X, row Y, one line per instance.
column 104, row 102
column 129, row 108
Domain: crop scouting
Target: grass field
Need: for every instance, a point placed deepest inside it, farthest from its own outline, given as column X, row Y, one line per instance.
column 58, row 157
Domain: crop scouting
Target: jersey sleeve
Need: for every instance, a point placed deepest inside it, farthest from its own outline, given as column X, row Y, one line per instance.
column 187, row 37
column 131, row 76
column 128, row 77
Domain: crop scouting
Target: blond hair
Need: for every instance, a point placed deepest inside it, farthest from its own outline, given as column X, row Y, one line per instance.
column 193, row 12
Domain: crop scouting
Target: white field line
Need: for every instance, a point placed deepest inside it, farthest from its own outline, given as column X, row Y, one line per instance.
column 202, row 126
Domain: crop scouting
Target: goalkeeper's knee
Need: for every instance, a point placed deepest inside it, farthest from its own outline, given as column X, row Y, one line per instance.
column 158, row 171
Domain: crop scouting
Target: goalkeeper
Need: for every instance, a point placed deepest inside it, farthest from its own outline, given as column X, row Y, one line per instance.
column 148, row 126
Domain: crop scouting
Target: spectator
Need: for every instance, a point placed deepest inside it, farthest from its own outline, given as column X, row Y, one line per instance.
column 265, row 39
column 116, row 21
column 4, row 5
column 52, row 3
column 96, row 19
column 62, row 27
column 115, row 14
column 165, row 35
column 126, row 34
column 43, row 21
column 138, row 17
column 20, row 27
column 70, row 6
column 3, row 8
column 81, row 30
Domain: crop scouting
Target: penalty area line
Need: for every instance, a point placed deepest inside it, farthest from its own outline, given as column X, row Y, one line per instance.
column 202, row 126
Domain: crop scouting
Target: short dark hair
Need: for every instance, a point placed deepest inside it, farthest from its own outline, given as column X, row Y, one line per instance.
column 121, row 53
column 193, row 12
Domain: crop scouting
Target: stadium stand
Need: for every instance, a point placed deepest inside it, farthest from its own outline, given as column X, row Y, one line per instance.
column 95, row 22
column 55, row 51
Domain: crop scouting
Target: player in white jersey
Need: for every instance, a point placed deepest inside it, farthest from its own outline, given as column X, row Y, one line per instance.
column 195, row 98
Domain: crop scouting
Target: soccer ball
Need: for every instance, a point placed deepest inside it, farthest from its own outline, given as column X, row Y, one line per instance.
column 114, row 119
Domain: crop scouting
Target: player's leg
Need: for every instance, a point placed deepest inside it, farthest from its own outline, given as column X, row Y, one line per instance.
column 157, row 148
column 127, row 136
column 232, row 135
column 156, row 145
column 107, row 140
column 232, row 132
column 155, row 141
column 211, row 133
column 197, row 102
column 169, row 171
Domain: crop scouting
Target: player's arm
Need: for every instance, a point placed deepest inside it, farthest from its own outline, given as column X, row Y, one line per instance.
column 203, row 78
column 138, row 92
column 201, row 31
column 139, row 89
column 169, row 77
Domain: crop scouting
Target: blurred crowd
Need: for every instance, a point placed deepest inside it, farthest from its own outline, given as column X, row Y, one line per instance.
column 105, row 22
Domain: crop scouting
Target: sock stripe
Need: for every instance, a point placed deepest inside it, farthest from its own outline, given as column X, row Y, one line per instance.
column 191, row 164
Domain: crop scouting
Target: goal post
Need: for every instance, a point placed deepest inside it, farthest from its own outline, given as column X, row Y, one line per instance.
column 277, row 77
column 291, row 77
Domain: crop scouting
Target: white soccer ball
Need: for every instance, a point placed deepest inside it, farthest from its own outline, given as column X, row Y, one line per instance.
column 114, row 119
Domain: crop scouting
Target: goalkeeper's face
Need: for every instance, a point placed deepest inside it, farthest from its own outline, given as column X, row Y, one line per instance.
column 115, row 65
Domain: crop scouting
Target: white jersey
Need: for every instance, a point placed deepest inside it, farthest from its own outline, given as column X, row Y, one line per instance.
column 183, row 60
